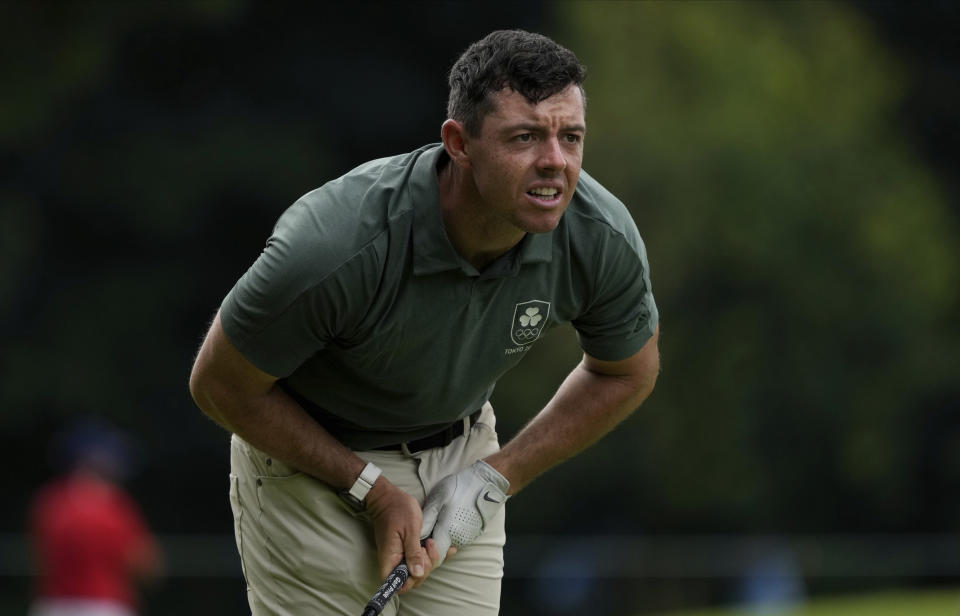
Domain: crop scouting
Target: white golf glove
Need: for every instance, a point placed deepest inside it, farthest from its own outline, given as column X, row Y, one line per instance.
column 460, row 506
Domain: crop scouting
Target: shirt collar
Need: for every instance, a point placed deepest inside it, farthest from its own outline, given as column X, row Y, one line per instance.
column 432, row 250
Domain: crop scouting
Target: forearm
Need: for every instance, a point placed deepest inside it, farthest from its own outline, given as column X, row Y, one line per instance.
column 586, row 406
column 248, row 402
column 276, row 424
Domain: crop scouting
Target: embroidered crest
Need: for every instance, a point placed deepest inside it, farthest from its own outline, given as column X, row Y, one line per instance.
column 529, row 321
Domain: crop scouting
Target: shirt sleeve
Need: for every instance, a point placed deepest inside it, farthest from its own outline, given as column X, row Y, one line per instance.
column 622, row 315
column 299, row 295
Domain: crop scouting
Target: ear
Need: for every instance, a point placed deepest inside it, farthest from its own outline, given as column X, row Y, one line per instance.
column 455, row 142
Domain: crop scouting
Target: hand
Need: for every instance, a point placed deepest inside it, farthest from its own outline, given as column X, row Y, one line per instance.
column 460, row 506
column 396, row 520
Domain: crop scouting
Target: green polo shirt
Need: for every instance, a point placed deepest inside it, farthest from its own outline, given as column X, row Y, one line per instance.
column 362, row 305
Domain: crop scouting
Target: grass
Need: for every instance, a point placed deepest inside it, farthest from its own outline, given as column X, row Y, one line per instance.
column 887, row 603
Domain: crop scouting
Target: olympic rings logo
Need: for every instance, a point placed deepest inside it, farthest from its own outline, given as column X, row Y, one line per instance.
column 527, row 333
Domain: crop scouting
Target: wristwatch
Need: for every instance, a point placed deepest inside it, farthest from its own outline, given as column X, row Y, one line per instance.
column 357, row 494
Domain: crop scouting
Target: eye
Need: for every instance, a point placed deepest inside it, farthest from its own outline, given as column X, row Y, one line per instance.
column 524, row 137
column 572, row 138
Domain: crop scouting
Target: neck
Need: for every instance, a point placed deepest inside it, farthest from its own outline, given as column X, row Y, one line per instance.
column 476, row 235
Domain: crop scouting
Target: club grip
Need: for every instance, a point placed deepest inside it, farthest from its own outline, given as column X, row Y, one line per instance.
column 390, row 586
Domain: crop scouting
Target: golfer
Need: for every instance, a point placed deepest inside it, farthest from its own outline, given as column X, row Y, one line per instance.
column 355, row 359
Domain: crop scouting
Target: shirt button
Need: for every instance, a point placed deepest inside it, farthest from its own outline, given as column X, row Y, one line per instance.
column 259, row 483
column 269, row 461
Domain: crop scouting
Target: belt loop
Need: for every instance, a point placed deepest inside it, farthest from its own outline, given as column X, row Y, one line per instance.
column 466, row 426
column 405, row 449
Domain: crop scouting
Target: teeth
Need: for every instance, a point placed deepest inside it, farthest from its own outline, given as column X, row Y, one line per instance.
column 544, row 192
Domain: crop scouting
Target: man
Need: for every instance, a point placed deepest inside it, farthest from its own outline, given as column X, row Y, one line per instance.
column 89, row 539
column 354, row 361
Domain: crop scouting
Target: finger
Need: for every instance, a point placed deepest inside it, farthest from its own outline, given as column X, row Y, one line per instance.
column 414, row 554
column 409, row 585
column 433, row 553
column 389, row 556
column 413, row 582
column 430, row 563
column 430, row 513
column 441, row 543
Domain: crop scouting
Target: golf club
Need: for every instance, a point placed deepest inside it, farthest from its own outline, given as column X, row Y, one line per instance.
column 390, row 586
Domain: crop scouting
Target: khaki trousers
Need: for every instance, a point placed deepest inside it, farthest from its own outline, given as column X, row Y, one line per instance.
column 304, row 551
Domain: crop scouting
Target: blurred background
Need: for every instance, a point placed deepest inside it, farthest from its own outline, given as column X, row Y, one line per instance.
column 791, row 167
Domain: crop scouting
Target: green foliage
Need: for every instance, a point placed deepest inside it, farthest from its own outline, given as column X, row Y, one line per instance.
column 51, row 55
column 803, row 258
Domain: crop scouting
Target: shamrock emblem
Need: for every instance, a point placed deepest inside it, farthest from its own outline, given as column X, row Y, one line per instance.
column 531, row 316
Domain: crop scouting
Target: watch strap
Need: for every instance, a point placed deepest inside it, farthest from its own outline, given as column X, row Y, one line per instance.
column 364, row 483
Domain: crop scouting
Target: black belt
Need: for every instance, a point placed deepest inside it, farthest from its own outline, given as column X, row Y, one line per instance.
column 439, row 439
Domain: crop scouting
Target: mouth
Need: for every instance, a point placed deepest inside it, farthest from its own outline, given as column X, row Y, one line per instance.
column 545, row 196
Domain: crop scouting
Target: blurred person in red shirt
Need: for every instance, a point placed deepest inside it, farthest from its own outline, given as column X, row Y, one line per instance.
column 90, row 541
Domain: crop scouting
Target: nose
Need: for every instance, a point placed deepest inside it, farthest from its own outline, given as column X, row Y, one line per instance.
column 551, row 158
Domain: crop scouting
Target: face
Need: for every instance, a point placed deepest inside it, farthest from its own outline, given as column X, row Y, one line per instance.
column 526, row 160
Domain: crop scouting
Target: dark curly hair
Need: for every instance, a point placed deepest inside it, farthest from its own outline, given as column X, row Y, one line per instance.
column 527, row 63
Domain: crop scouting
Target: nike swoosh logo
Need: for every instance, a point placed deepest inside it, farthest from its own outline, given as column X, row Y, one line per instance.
column 486, row 497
